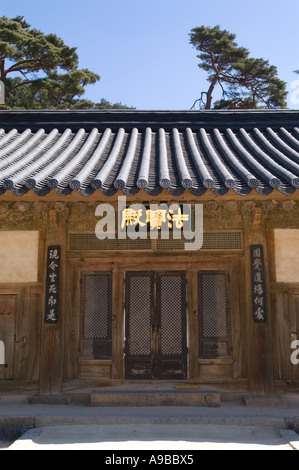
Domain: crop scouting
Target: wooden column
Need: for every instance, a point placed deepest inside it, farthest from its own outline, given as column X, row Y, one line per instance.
column 259, row 335
column 192, row 301
column 52, row 335
column 117, row 323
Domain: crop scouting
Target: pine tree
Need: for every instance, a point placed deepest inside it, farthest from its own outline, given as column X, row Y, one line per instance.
column 39, row 70
column 246, row 83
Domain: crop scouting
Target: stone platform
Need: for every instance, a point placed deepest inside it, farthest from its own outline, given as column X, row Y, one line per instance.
column 176, row 396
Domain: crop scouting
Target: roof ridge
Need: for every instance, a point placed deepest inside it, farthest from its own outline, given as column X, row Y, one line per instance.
column 141, row 119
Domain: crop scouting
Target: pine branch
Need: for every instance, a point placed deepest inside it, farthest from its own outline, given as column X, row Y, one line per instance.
column 19, row 85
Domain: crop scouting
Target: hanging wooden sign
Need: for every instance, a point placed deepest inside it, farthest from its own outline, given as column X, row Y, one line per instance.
column 258, row 284
column 52, row 284
column 155, row 219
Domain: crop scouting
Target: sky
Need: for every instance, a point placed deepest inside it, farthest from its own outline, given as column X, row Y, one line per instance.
column 141, row 48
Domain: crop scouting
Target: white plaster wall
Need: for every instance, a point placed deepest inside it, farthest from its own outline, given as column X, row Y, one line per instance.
column 18, row 256
column 287, row 255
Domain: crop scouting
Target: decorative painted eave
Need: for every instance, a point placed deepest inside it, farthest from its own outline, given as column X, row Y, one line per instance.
column 108, row 151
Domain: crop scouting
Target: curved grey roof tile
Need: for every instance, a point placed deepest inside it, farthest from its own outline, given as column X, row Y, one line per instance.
column 289, row 139
column 100, row 179
column 126, row 168
column 164, row 178
column 89, row 167
column 129, row 151
column 248, row 157
column 30, row 163
column 5, row 152
column 48, row 162
column 55, row 179
column 215, row 159
column 233, row 162
column 185, row 177
column 283, row 146
column 143, row 176
column 202, row 169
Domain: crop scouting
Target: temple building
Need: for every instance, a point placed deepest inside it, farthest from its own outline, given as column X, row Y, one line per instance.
column 146, row 246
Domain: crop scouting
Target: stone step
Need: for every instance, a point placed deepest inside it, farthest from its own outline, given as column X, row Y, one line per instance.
column 155, row 398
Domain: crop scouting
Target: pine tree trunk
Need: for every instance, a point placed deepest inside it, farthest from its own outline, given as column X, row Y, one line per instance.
column 210, row 91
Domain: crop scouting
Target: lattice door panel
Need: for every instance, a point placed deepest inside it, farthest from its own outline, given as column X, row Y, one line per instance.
column 171, row 304
column 96, row 306
column 97, row 315
column 213, row 318
column 171, row 296
column 139, row 321
column 140, row 315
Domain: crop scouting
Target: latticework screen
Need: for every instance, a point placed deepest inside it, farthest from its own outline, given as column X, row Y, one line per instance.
column 97, row 314
column 140, row 313
column 213, row 318
column 228, row 240
column 171, row 314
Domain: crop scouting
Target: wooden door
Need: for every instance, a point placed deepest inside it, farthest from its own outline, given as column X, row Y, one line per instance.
column 214, row 321
column 156, row 346
column 96, row 334
column 7, row 334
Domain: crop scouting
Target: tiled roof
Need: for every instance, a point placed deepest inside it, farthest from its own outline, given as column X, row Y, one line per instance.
column 109, row 151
